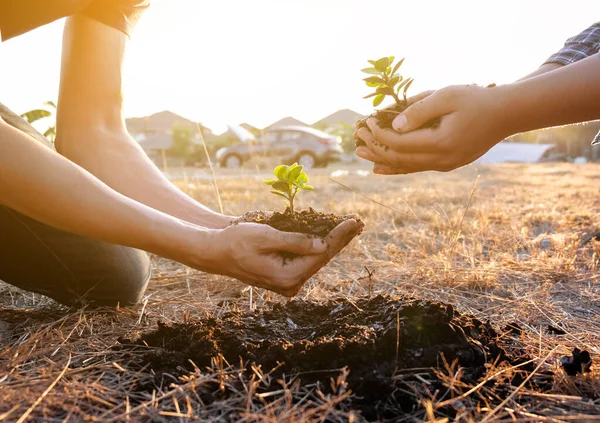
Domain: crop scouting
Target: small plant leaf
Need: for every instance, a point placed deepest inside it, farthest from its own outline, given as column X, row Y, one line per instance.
column 35, row 115
column 308, row 187
column 372, row 62
column 270, row 181
column 398, row 65
column 392, row 58
column 302, row 179
column 394, row 81
column 378, row 99
column 281, row 172
column 388, row 70
column 402, row 84
column 371, row 71
column 382, row 64
column 370, row 95
column 282, row 186
column 280, row 194
column 293, row 176
column 385, row 90
column 373, row 81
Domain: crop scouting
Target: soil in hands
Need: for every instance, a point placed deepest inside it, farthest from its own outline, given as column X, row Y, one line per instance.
column 309, row 221
column 379, row 340
column 385, row 118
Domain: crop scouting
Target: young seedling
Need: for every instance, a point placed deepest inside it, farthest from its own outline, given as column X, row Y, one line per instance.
column 386, row 80
column 290, row 181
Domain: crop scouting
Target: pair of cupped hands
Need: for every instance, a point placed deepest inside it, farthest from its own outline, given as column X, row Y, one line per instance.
column 469, row 125
column 470, row 119
column 282, row 262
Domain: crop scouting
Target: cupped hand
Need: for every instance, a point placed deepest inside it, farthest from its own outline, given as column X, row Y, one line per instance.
column 282, row 262
column 472, row 120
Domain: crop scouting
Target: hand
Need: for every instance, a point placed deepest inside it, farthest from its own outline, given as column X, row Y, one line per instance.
column 251, row 253
column 471, row 123
column 409, row 101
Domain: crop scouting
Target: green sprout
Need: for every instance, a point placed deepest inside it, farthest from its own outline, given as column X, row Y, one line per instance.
column 386, row 80
column 290, row 181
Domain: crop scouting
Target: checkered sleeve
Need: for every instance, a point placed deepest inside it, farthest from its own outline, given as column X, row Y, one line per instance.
column 583, row 45
column 576, row 48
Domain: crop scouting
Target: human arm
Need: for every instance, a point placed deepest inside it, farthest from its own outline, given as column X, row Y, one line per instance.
column 576, row 48
column 39, row 183
column 473, row 119
column 91, row 129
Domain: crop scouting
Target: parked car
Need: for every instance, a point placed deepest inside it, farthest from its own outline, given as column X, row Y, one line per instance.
column 288, row 144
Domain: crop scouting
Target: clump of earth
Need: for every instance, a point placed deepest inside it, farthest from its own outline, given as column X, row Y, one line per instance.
column 376, row 339
column 308, row 221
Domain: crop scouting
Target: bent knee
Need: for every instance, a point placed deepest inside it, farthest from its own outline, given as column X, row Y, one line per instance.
column 122, row 281
column 128, row 281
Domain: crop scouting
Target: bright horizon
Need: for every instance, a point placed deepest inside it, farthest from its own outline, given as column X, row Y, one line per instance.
column 236, row 61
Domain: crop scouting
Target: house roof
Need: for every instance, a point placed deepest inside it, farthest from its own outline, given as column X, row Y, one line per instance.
column 158, row 122
column 347, row 116
column 249, row 127
column 287, row 121
column 514, row 152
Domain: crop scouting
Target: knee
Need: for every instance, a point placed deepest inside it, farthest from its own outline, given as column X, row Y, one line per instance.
column 121, row 281
column 128, row 281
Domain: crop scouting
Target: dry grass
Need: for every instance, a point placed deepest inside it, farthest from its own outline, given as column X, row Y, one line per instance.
column 514, row 255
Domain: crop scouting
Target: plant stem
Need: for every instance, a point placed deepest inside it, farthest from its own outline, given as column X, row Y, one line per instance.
column 398, row 101
column 292, row 203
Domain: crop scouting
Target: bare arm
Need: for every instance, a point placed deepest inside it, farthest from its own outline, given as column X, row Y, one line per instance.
column 547, row 67
column 473, row 119
column 42, row 184
column 91, row 129
column 567, row 95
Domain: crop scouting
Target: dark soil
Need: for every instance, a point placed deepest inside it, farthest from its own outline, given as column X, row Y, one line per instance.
column 578, row 362
column 385, row 117
column 314, row 341
column 306, row 221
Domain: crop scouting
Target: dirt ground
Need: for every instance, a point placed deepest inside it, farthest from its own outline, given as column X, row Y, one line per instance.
column 504, row 245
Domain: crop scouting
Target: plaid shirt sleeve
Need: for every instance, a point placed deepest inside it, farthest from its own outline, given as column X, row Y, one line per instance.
column 577, row 48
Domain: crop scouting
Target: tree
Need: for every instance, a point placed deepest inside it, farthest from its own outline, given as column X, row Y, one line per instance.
column 340, row 129
column 39, row 114
column 182, row 141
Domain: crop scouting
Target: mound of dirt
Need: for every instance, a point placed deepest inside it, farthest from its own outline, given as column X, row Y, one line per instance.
column 375, row 338
column 308, row 221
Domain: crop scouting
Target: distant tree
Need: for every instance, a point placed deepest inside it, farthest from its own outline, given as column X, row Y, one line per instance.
column 341, row 129
column 572, row 140
column 39, row 114
column 182, row 141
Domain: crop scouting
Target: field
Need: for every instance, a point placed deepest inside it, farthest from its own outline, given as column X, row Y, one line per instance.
column 509, row 244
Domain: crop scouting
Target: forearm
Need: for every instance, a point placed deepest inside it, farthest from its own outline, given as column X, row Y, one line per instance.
column 43, row 185
column 567, row 95
column 116, row 159
column 547, row 67
column 91, row 130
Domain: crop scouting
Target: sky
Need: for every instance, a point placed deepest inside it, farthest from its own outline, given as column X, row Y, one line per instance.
column 232, row 61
